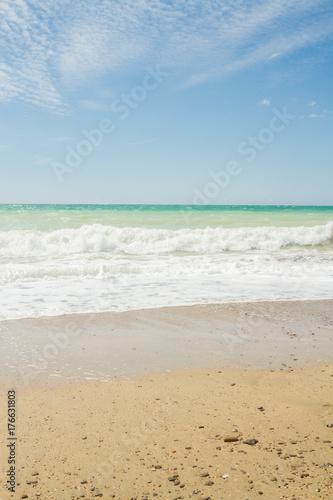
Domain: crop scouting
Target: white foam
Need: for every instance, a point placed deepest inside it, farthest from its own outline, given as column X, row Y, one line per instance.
column 102, row 268
column 97, row 238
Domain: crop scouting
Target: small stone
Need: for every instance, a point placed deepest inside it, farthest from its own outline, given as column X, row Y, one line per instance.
column 230, row 439
column 250, row 442
column 327, row 441
column 32, row 482
column 305, row 474
column 204, row 474
column 209, row 483
column 157, row 466
column 261, row 408
column 173, row 478
column 273, row 478
column 176, row 483
column 85, row 437
column 24, row 496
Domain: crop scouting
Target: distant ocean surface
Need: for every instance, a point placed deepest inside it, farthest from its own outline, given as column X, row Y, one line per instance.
column 61, row 259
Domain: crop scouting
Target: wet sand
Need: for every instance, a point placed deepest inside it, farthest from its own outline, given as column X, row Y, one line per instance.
column 106, row 346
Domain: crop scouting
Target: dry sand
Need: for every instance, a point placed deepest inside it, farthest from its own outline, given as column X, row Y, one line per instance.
column 162, row 435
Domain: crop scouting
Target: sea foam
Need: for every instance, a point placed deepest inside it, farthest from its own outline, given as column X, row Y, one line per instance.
column 97, row 238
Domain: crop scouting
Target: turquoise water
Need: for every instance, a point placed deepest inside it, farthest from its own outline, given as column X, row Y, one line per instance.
column 60, row 259
column 51, row 217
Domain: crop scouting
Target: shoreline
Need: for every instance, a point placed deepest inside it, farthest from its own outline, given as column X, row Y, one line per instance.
column 107, row 346
column 140, row 309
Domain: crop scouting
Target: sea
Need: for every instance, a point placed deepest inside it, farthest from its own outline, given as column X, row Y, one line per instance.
column 65, row 259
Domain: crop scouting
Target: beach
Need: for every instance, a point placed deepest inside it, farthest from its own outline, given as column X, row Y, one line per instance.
column 173, row 352
column 172, row 417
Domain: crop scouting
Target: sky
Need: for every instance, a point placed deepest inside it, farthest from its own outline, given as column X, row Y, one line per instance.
column 174, row 101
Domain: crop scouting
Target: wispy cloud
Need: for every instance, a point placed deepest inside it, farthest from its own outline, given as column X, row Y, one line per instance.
column 63, row 138
column 48, row 48
column 90, row 105
column 39, row 160
column 312, row 103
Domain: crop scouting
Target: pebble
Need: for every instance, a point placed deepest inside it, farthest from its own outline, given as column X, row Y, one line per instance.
column 24, row 496
column 209, row 483
column 304, row 474
column 204, row 474
column 251, row 442
column 157, row 466
column 173, row 478
column 230, row 439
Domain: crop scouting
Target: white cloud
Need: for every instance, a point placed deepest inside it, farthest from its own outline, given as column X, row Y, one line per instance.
column 312, row 103
column 265, row 102
column 50, row 47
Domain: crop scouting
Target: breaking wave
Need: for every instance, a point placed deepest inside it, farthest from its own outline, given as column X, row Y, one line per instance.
column 97, row 239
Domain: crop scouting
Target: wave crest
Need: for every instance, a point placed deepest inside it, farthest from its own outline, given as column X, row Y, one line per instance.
column 96, row 239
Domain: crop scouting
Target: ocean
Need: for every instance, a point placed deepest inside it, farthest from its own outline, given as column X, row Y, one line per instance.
column 62, row 259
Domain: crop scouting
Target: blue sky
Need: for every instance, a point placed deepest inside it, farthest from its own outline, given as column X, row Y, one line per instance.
column 139, row 101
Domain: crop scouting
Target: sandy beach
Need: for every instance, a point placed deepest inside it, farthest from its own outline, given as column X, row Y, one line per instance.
column 220, row 401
